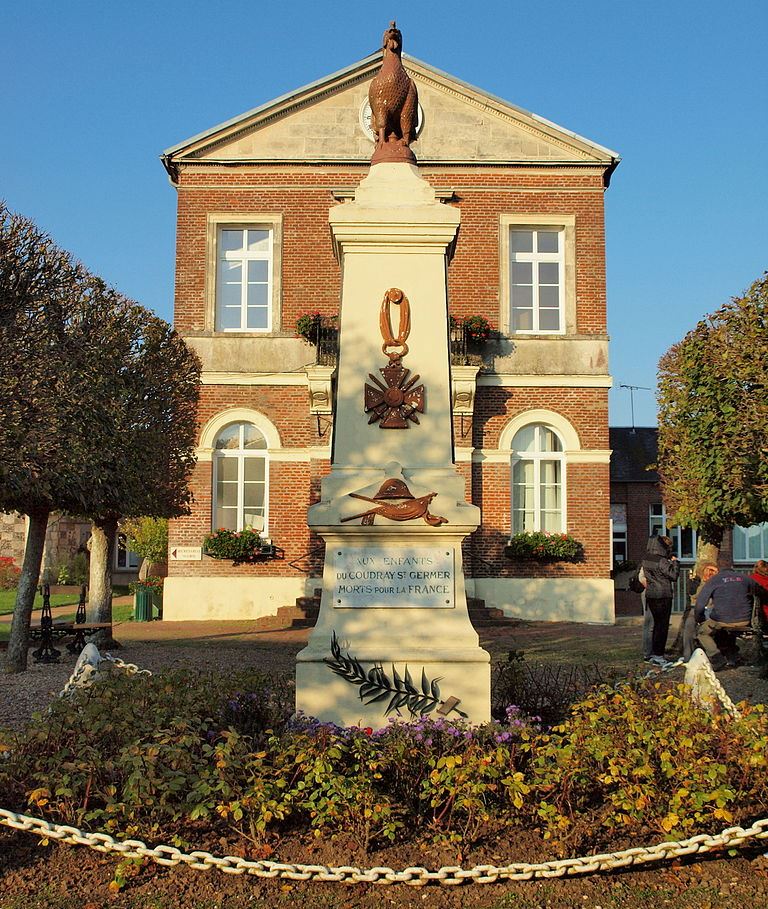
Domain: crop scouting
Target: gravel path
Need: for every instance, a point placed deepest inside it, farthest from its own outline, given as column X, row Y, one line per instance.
column 227, row 646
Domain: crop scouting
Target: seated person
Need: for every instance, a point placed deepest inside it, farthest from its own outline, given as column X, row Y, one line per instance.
column 730, row 610
column 706, row 571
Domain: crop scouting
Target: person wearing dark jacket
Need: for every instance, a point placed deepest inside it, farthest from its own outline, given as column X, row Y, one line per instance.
column 661, row 570
column 724, row 603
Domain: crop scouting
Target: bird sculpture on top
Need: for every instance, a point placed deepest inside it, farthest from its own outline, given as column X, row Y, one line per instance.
column 394, row 104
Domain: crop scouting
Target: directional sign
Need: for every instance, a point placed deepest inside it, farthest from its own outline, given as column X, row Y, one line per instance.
column 186, row 553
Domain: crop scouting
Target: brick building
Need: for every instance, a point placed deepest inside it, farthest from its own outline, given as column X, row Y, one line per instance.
column 530, row 405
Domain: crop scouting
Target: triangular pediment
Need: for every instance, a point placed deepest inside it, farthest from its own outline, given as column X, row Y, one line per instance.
column 325, row 122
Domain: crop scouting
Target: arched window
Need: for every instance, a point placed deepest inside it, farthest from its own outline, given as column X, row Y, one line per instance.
column 240, row 478
column 538, row 473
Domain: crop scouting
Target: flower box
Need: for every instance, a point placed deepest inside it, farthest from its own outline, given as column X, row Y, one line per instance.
column 542, row 546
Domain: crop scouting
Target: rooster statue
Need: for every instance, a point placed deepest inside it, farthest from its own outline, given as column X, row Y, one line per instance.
column 394, row 104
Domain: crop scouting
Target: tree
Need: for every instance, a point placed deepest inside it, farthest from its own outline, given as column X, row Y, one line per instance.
column 141, row 444
column 97, row 409
column 713, row 413
column 148, row 538
column 40, row 285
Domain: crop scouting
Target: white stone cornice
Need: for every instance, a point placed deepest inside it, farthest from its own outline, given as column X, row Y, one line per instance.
column 510, row 380
column 254, row 378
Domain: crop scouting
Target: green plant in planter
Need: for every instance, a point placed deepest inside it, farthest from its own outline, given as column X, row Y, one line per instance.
column 477, row 328
column 542, row 546
column 308, row 322
column 153, row 584
column 241, row 546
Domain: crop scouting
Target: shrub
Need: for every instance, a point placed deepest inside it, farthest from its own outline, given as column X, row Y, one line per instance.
column 9, row 573
column 75, row 571
column 542, row 546
column 147, row 537
column 644, row 758
column 546, row 691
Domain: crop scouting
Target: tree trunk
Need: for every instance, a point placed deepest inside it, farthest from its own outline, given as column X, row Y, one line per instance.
column 18, row 643
column 103, row 534
column 707, row 553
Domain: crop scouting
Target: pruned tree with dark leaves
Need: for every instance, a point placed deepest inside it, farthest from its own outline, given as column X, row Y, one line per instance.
column 98, row 402
column 713, row 414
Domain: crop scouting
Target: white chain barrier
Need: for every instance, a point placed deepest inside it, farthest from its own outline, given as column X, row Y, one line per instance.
column 416, row 876
column 88, row 668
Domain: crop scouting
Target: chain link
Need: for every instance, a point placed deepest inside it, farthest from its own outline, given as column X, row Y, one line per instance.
column 416, row 876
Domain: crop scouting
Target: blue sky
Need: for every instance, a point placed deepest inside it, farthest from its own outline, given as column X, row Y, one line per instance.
column 94, row 91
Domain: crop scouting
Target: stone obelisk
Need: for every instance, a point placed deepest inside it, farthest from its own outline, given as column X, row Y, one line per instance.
column 393, row 636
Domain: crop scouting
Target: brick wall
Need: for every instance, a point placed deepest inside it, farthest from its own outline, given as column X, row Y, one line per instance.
column 310, row 274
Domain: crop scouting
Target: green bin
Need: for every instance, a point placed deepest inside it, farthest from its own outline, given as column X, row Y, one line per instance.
column 142, row 606
column 157, row 602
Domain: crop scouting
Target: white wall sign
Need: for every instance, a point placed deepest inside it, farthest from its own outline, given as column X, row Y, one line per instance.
column 186, row 553
column 415, row 578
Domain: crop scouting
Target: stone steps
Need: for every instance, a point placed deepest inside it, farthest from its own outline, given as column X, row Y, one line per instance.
column 306, row 610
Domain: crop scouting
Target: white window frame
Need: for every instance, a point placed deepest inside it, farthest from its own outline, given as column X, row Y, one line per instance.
column 130, row 555
column 565, row 225
column 537, row 456
column 218, row 221
column 749, row 560
column 661, row 528
column 619, row 531
column 241, row 454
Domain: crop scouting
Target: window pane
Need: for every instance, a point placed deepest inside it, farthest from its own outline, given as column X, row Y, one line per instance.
column 547, row 241
column 229, row 437
column 521, row 240
column 549, row 297
column 254, row 469
column 258, row 241
column 550, row 473
column 226, row 518
column 230, row 296
column 226, row 469
column 739, row 544
column 522, row 320
column 550, row 441
column 552, row 521
column 522, row 272
column 254, row 519
column 257, row 295
column 229, row 318
column 258, row 270
column 258, row 317
column 231, row 240
column 253, row 437
column 550, row 498
column 253, row 496
column 687, row 543
column 522, row 521
column 522, row 296
column 549, row 320
column 525, row 440
column 549, row 273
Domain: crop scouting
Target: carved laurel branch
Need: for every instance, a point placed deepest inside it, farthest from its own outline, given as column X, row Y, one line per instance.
column 375, row 685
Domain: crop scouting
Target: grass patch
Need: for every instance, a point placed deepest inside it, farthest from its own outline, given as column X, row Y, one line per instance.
column 8, row 600
column 120, row 614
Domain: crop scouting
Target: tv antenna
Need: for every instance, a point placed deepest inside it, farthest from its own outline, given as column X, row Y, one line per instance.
column 632, row 390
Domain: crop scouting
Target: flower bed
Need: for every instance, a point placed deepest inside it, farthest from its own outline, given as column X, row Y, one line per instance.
column 216, row 755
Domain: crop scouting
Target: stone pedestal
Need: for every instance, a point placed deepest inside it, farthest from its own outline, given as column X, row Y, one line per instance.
column 393, row 616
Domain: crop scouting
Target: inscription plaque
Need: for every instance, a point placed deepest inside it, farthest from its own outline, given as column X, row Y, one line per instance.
column 414, row 578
